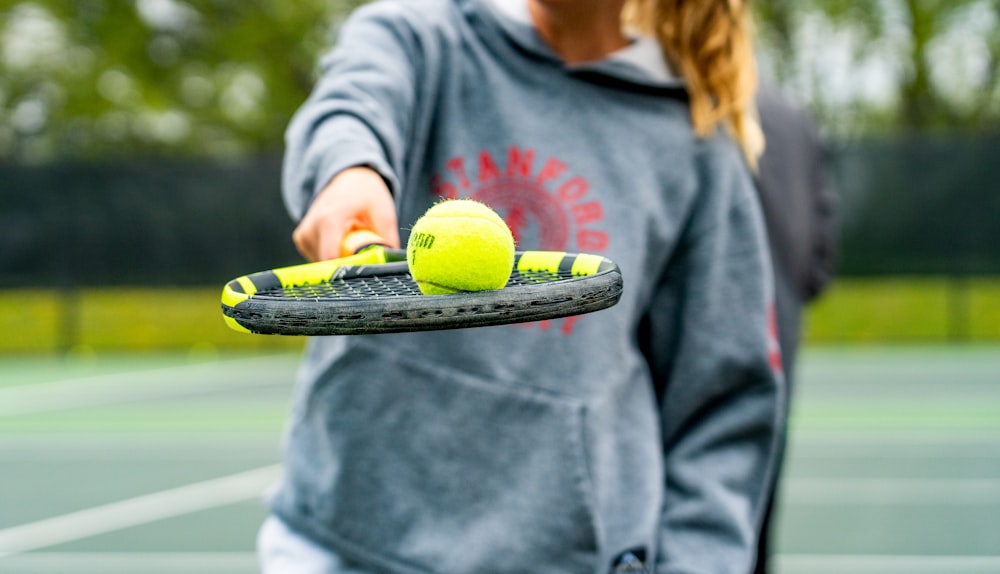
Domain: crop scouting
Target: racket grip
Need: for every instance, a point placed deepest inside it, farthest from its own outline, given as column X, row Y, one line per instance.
column 358, row 240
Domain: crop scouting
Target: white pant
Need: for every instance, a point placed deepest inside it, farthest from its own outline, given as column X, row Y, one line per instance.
column 281, row 550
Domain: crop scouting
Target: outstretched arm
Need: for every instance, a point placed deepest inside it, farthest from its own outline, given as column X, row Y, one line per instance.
column 346, row 145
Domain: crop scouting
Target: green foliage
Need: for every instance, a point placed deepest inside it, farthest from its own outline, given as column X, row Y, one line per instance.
column 903, row 65
column 98, row 78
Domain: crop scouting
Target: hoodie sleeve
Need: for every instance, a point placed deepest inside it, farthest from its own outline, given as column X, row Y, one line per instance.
column 714, row 355
column 360, row 111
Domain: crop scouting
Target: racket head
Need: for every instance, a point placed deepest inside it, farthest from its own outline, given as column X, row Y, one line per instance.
column 373, row 292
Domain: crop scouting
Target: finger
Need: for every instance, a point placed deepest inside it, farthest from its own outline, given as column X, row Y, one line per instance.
column 386, row 225
column 304, row 241
column 358, row 239
column 330, row 238
column 380, row 215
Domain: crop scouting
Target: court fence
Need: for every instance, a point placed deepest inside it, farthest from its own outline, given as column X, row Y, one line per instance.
column 131, row 254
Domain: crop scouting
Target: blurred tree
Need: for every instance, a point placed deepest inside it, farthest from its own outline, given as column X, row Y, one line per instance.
column 98, row 78
column 888, row 65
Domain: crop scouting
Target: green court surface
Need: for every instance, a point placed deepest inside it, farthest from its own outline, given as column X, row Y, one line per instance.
column 158, row 463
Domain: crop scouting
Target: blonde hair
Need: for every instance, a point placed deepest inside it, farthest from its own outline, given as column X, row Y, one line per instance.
column 710, row 44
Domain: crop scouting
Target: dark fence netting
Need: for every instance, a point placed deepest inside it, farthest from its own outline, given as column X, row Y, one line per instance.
column 914, row 206
column 920, row 206
column 170, row 222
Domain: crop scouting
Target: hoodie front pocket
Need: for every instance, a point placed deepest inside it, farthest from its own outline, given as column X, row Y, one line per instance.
column 445, row 472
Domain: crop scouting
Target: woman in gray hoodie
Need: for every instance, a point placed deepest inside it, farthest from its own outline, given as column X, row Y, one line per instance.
column 640, row 437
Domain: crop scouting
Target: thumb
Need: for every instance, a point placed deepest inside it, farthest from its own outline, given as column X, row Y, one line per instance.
column 382, row 219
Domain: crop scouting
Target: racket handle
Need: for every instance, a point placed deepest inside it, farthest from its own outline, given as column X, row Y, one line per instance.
column 358, row 240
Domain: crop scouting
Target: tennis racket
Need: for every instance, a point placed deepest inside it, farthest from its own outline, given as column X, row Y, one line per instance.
column 371, row 292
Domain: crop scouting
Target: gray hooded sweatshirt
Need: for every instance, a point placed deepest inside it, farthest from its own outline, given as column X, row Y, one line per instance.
column 642, row 432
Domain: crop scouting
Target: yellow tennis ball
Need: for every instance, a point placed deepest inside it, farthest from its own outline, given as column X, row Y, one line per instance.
column 460, row 245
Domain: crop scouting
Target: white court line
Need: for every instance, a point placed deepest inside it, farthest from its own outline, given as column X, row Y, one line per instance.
column 137, row 511
column 138, row 385
column 884, row 564
column 67, row 447
column 131, row 562
column 891, row 491
column 58, row 441
column 256, row 454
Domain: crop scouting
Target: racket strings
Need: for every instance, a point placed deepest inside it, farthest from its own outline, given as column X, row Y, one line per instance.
column 353, row 288
column 534, row 277
column 389, row 286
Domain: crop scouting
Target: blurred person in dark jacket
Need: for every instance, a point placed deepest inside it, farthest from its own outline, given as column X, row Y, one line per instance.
column 796, row 189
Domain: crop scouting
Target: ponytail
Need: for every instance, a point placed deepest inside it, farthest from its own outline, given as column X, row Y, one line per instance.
column 709, row 43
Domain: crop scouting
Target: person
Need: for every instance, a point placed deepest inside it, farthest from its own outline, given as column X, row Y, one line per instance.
column 799, row 202
column 540, row 447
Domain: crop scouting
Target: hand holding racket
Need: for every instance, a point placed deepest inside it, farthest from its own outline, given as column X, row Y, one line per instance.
column 357, row 197
column 372, row 291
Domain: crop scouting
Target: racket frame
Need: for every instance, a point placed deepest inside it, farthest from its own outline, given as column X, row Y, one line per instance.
column 595, row 283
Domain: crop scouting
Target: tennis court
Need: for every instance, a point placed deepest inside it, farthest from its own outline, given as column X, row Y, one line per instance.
column 157, row 463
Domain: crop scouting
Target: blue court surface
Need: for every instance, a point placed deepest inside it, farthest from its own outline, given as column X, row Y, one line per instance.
column 157, row 463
